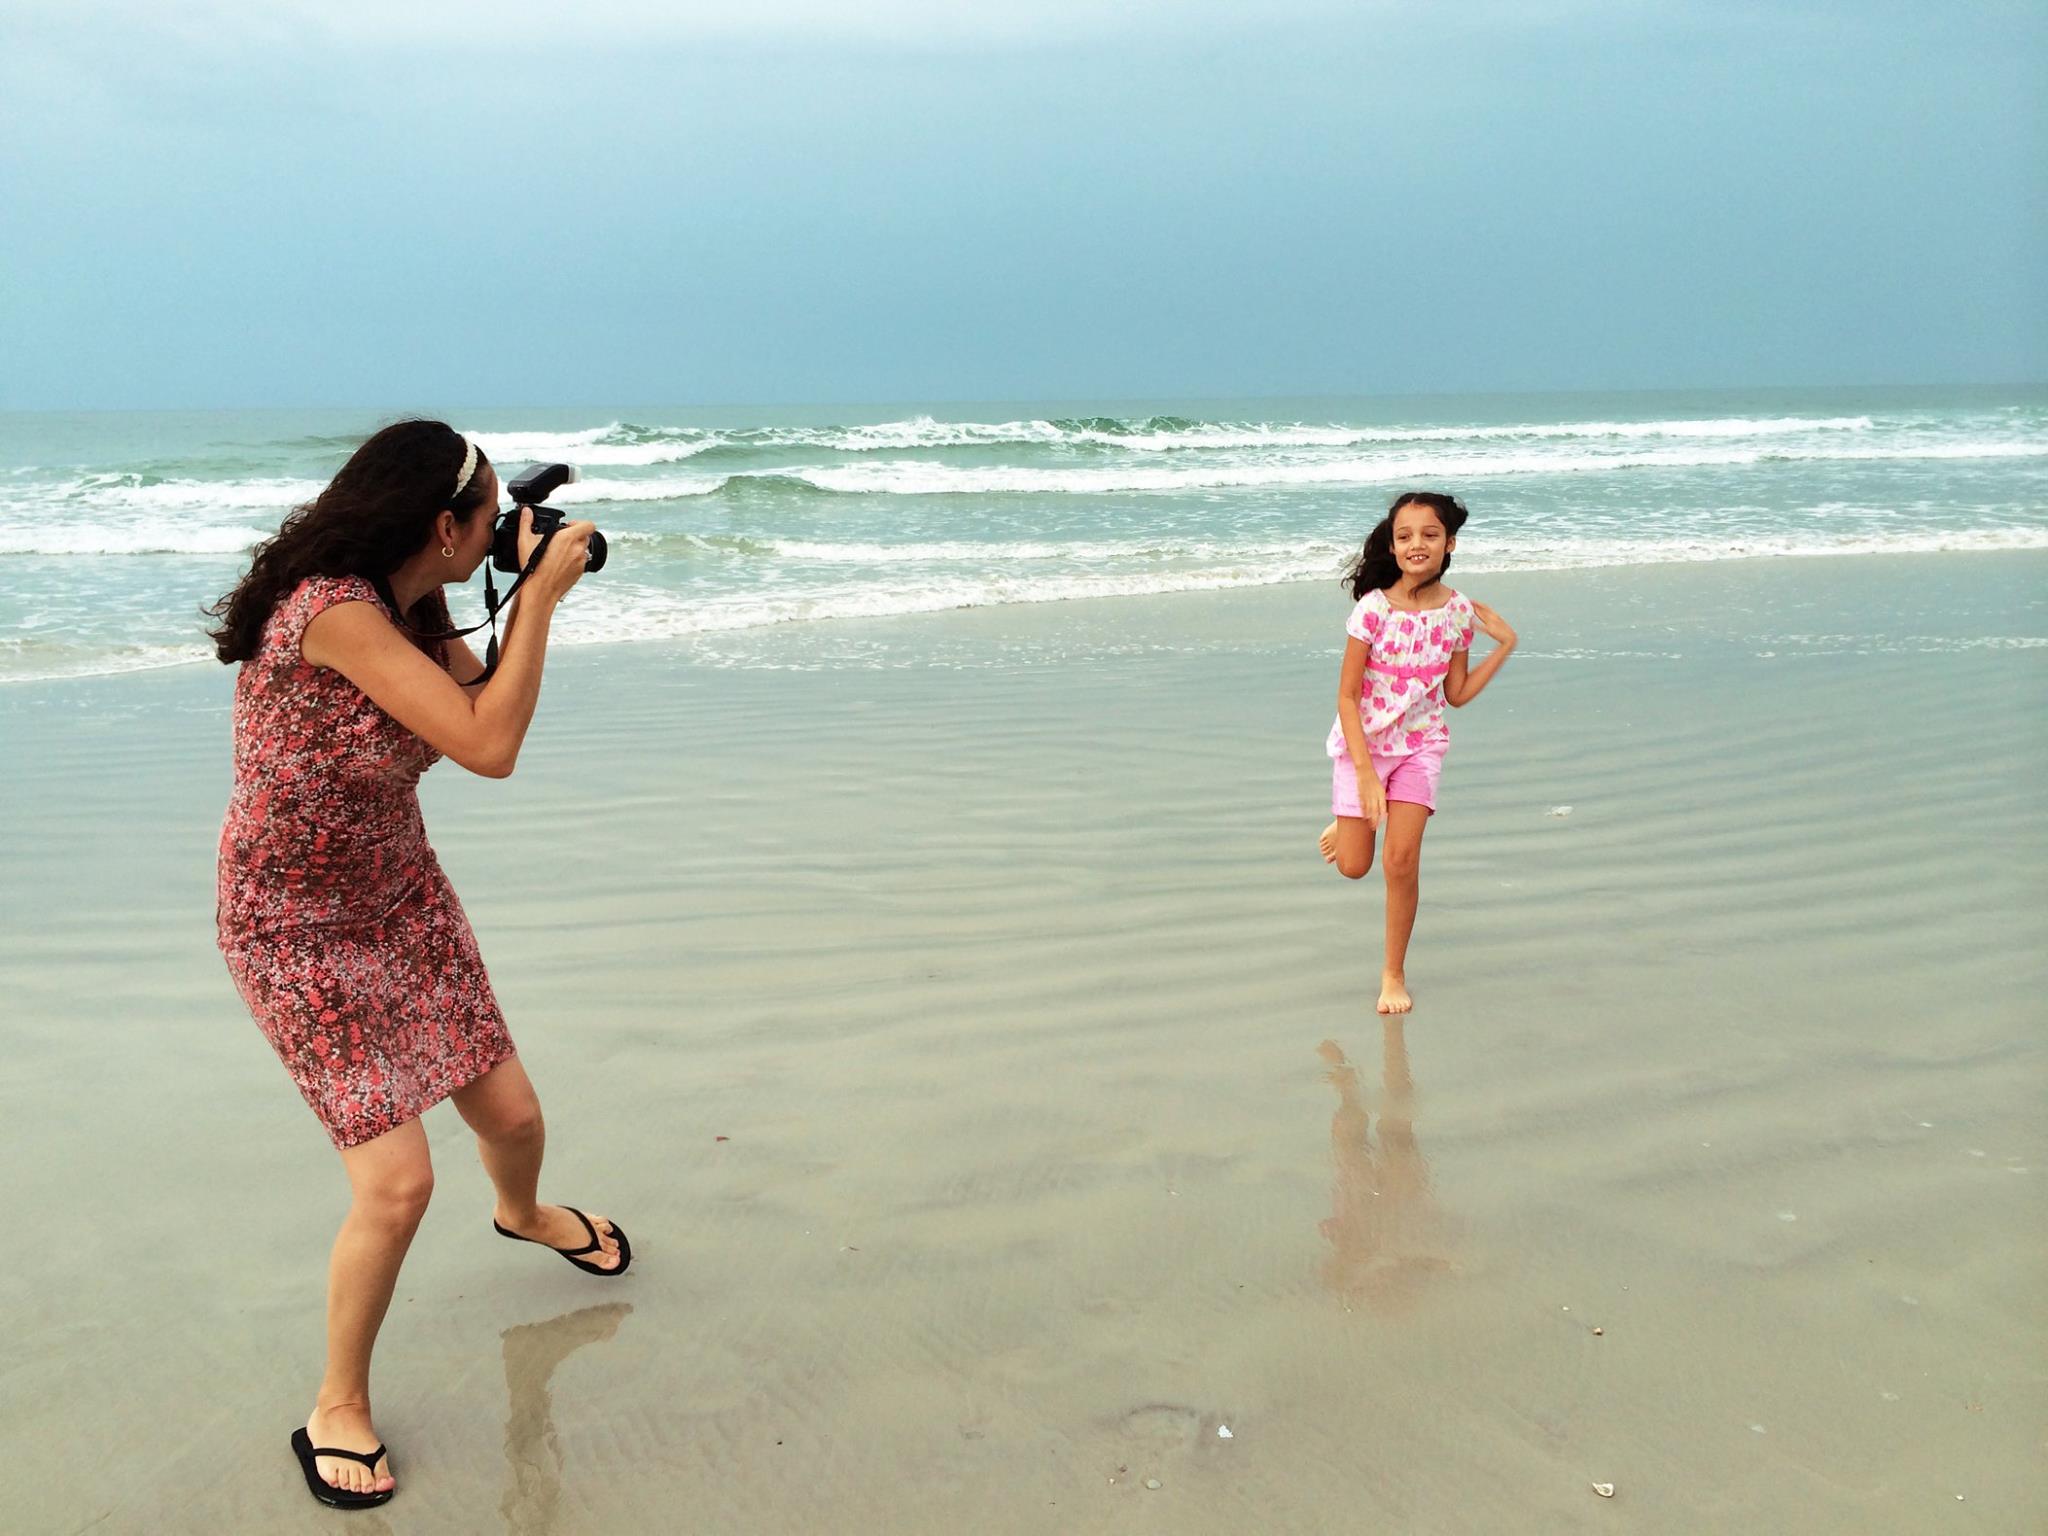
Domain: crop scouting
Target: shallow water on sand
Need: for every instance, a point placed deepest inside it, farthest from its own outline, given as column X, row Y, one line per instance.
column 984, row 1066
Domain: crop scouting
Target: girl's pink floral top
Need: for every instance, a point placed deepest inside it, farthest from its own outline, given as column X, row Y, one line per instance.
column 1401, row 700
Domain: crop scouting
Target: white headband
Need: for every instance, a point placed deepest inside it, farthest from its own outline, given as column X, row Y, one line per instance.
column 468, row 464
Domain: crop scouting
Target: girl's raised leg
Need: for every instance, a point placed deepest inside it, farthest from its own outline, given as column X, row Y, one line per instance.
column 390, row 1180
column 1402, row 864
column 1347, row 843
column 504, row 1111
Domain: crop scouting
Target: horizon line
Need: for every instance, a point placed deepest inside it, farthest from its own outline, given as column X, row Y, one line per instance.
column 1028, row 399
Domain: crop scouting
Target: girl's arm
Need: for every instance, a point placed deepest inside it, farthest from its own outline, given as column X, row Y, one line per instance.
column 1372, row 795
column 483, row 733
column 1462, row 687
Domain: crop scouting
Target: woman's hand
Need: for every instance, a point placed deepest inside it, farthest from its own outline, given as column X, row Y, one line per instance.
column 1372, row 798
column 568, row 553
column 1493, row 624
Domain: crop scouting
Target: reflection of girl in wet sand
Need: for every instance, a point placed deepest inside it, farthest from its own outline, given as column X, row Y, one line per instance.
column 1384, row 1229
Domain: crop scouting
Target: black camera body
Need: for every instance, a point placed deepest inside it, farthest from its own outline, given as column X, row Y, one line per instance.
column 530, row 487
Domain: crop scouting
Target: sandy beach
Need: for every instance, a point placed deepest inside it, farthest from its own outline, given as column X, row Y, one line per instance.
column 984, row 1065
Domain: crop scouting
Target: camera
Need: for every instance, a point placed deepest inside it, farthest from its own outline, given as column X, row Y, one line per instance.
column 530, row 487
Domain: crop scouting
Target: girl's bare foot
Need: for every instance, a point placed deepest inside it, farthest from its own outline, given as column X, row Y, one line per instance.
column 558, row 1227
column 1394, row 996
column 1329, row 843
column 347, row 1427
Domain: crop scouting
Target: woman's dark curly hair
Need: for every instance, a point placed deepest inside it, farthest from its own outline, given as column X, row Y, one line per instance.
column 370, row 520
column 1376, row 566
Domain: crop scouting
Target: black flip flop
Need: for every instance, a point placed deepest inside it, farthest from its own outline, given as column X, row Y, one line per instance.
column 595, row 1245
column 321, row 1489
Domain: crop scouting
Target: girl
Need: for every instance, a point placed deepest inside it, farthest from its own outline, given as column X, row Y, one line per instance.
column 338, row 926
column 1405, row 660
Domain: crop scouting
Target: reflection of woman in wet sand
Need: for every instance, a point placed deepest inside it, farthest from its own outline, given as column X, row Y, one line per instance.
column 532, row 1351
column 1384, row 1229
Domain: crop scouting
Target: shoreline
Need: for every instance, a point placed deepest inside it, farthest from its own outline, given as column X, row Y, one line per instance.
column 690, row 646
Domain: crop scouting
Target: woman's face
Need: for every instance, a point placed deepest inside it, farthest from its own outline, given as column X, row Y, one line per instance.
column 1419, row 541
column 471, row 541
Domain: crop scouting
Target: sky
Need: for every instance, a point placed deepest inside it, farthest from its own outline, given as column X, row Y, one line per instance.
column 290, row 203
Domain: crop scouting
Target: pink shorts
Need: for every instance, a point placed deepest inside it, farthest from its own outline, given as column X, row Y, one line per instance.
column 1411, row 777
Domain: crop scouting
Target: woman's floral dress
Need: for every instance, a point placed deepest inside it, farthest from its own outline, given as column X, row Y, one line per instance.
column 338, row 926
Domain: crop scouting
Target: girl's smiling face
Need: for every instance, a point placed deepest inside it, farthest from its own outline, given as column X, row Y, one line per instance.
column 1420, row 542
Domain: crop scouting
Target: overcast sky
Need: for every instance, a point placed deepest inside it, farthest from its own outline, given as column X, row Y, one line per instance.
column 291, row 203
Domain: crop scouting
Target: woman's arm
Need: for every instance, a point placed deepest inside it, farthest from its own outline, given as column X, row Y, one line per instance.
column 483, row 733
column 465, row 666
column 1372, row 795
column 1462, row 687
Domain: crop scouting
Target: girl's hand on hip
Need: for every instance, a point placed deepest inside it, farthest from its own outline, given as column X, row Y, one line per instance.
column 1372, row 797
column 1493, row 624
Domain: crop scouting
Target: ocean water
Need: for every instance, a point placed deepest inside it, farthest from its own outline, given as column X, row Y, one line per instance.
column 122, row 526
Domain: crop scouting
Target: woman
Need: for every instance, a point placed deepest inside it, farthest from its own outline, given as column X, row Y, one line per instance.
column 339, row 928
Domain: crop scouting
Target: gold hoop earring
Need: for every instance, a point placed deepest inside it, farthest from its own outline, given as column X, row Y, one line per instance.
column 447, row 552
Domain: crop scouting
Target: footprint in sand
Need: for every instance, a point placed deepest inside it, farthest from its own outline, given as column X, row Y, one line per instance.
column 1154, row 1435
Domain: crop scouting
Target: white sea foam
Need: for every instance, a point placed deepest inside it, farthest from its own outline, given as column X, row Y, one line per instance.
column 653, row 488
column 628, row 611
column 544, row 443
column 153, row 538
column 1278, row 458
column 1849, row 645
column 919, row 477
column 1524, row 552
column 734, row 528
column 1501, row 551
column 1079, row 551
column 625, row 612
column 18, row 664
column 618, row 443
column 2036, row 449
column 916, row 432
column 106, row 491
column 1218, row 435
column 919, row 578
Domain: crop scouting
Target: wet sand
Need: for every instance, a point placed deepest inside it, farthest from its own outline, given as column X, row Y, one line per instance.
column 958, row 1016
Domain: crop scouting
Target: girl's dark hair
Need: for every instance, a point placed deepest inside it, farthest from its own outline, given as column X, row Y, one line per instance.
column 370, row 520
column 1376, row 566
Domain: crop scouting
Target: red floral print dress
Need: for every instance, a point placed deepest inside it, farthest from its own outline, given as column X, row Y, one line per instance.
column 338, row 926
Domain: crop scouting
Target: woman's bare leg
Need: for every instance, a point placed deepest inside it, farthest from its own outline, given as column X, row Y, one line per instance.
column 1347, row 843
column 1402, row 864
column 504, row 1111
column 390, row 1178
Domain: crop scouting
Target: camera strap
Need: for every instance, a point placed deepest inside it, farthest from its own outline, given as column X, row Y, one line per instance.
column 493, row 606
